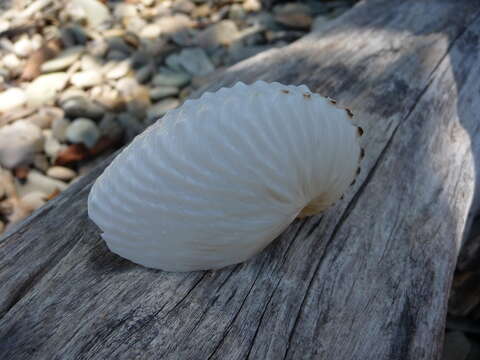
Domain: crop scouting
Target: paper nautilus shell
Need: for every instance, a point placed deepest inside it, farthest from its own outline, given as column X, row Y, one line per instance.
column 215, row 181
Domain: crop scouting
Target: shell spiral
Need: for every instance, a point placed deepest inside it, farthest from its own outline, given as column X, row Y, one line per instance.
column 215, row 181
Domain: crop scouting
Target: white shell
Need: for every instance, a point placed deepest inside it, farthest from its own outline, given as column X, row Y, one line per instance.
column 216, row 180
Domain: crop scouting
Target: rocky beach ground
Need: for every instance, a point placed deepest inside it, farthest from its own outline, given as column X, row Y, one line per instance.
column 80, row 78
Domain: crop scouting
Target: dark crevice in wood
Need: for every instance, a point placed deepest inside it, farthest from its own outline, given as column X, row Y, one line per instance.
column 227, row 330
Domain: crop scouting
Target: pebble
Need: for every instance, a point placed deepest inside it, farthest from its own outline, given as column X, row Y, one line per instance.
column 59, row 128
column 11, row 99
column 2, row 226
column 95, row 12
column 88, row 62
column 79, row 106
column 110, row 127
column 18, row 143
column 116, row 55
column 222, row 33
column 23, row 47
column 158, row 93
column 63, row 60
column 33, row 200
column 144, row 74
column 252, row 5
column 193, row 60
column 161, row 108
column 83, row 131
column 169, row 78
column 40, row 162
column 45, row 116
column 86, row 79
column 118, row 70
column 52, row 146
column 45, row 87
column 11, row 61
column 131, row 125
column 36, row 181
column 61, row 173
column 293, row 15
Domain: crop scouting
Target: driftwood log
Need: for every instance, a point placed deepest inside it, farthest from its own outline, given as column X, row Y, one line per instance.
column 369, row 279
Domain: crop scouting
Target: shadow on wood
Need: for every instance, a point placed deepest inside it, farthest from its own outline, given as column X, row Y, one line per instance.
column 368, row 279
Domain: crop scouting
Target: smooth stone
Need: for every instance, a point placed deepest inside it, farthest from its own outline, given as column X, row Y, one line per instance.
column 161, row 108
column 168, row 25
column 45, row 116
column 63, row 60
column 97, row 47
column 61, row 173
column 222, row 33
column 88, row 62
column 33, row 200
column 11, row 61
column 96, row 13
column 252, row 5
column 44, row 88
column 110, row 127
column 59, row 128
column 158, row 93
column 178, row 79
column 118, row 43
column 12, row 98
column 140, row 58
column 40, row 162
column 184, row 6
column 82, row 107
column 19, row 142
column 116, row 55
column 79, row 34
column 144, row 74
column 23, row 47
column 36, row 181
column 194, row 60
column 122, row 10
column 151, row 31
column 132, row 126
column 86, row 79
column 83, row 131
column 236, row 12
column 119, row 70
column 52, row 146
column 293, row 15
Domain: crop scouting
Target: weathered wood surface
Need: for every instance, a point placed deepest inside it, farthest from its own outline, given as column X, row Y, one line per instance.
column 367, row 280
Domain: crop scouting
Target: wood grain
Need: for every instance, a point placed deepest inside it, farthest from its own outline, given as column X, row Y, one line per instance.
column 368, row 279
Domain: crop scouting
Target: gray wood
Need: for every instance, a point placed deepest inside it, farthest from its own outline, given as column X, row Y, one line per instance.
column 366, row 280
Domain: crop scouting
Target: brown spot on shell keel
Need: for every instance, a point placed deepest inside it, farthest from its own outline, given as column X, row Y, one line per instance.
column 349, row 113
column 307, row 96
column 359, row 131
column 353, row 182
column 285, row 91
column 358, row 171
column 342, row 197
column 362, row 153
column 332, row 101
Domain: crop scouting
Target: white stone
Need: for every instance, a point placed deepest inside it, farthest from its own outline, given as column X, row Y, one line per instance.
column 23, row 46
column 85, row 79
column 59, row 128
column 45, row 87
column 63, row 60
column 95, row 12
column 11, row 99
column 61, row 173
column 19, row 142
column 119, row 70
column 36, row 181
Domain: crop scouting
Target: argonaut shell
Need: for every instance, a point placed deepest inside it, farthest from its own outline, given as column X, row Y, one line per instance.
column 215, row 181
